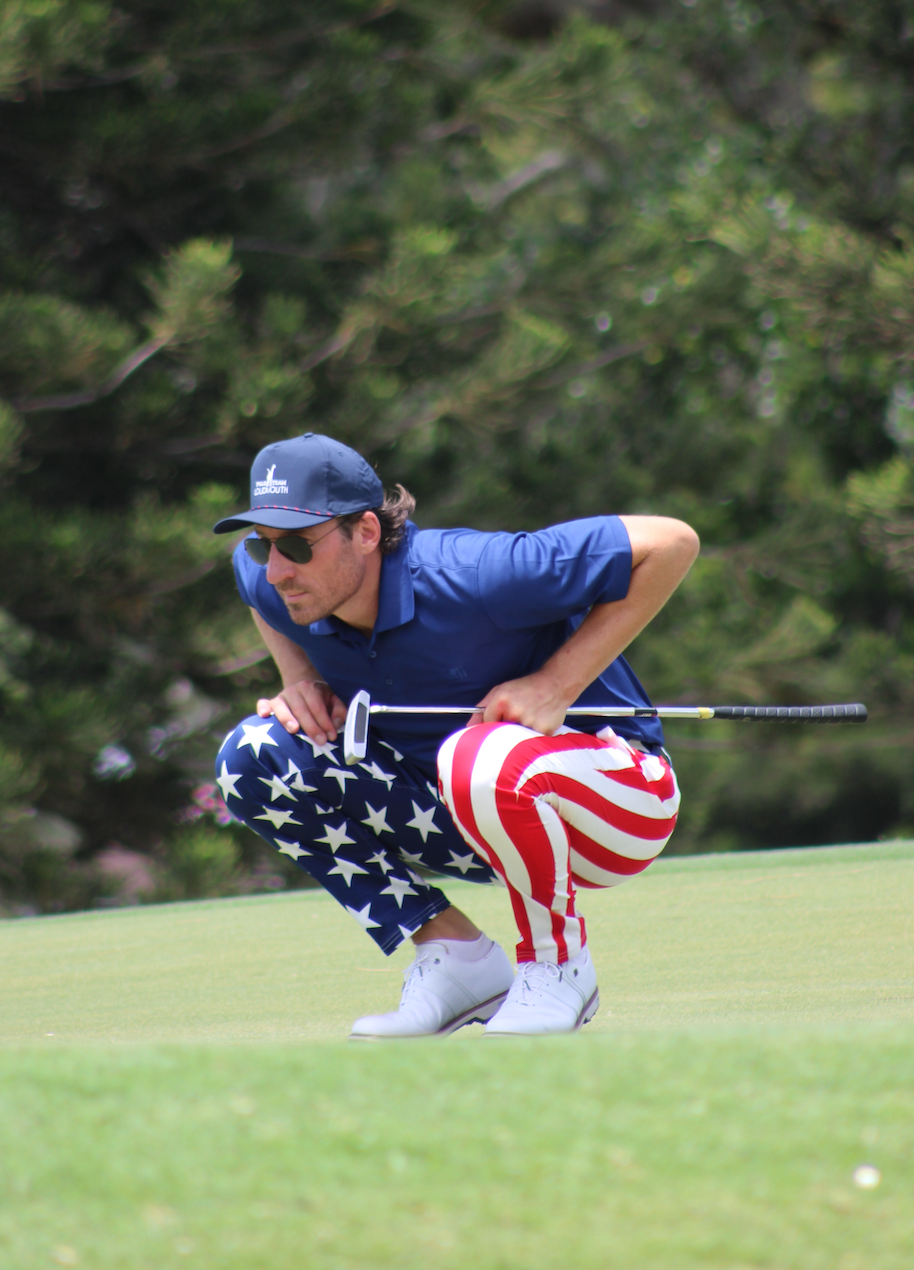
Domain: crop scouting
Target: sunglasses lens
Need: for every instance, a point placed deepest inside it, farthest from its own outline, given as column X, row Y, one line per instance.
column 258, row 549
column 295, row 549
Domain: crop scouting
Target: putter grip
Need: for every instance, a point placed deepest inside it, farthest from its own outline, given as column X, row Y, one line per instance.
column 794, row 714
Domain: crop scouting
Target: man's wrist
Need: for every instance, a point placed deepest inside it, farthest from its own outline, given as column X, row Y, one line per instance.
column 557, row 688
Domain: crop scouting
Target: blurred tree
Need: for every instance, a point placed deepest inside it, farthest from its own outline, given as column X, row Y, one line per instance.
column 535, row 263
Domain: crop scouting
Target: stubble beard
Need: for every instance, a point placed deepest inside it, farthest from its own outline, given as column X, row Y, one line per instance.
column 303, row 614
column 316, row 607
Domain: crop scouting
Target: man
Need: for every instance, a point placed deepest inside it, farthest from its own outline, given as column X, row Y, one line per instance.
column 348, row 594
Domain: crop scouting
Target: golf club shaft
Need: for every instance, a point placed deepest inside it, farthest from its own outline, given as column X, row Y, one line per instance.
column 355, row 737
column 853, row 713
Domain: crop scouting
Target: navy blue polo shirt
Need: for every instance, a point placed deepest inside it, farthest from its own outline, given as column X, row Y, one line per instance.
column 461, row 611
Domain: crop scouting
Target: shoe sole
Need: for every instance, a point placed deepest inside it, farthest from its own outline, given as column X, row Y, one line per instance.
column 589, row 1010
column 478, row 1014
column 585, row 1016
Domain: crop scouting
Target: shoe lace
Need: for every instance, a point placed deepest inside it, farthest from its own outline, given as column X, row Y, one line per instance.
column 414, row 974
column 532, row 977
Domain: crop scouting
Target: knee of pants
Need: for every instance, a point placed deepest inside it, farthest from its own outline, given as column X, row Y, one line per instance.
column 254, row 775
column 242, row 759
column 452, row 779
column 463, row 771
column 258, row 746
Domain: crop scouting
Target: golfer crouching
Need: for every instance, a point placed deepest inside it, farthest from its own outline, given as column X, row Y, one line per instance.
column 348, row 594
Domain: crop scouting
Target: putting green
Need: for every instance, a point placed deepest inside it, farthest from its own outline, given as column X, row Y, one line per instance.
column 819, row 936
column 753, row 1051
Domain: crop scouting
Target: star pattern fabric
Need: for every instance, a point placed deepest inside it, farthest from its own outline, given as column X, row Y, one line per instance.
column 277, row 788
column 363, row 916
column 424, row 821
column 341, row 775
column 361, row 832
column 256, row 736
column 293, row 776
column 277, row 817
column 378, row 773
column 346, row 869
column 464, row 862
column 380, row 859
column 327, row 750
column 335, row 836
column 398, row 888
column 376, row 820
column 291, row 849
column 227, row 782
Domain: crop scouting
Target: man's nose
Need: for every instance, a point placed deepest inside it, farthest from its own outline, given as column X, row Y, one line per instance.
column 279, row 567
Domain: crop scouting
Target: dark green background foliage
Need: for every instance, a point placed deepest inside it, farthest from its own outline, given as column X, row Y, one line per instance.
column 536, row 261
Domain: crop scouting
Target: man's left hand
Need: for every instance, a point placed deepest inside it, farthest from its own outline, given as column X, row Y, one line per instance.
column 532, row 701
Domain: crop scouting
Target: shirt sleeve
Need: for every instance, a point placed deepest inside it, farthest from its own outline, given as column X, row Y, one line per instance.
column 529, row 580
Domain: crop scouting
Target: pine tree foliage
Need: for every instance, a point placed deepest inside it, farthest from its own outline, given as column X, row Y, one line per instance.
column 536, row 262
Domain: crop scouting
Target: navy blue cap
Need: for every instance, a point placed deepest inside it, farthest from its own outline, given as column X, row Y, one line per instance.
column 304, row 482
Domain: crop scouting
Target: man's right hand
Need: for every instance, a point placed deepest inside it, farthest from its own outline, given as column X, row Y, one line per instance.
column 309, row 705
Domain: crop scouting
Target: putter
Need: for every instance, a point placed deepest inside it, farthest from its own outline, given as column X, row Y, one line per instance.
column 355, row 735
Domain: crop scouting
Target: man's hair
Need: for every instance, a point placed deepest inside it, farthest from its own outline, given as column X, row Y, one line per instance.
column 393, row 514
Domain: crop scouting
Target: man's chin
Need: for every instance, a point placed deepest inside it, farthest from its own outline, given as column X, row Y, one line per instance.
column 301, row 612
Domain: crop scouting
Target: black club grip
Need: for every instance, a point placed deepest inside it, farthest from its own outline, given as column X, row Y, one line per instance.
column 794, row 714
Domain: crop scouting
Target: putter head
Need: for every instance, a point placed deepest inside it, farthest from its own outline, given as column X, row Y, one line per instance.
column 355, row 734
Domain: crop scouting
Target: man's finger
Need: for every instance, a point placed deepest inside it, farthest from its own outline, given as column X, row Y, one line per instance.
column 312, row 702
column 284, row 714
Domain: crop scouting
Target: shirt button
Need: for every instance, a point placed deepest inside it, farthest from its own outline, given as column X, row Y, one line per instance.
column 373, row 653
column 390, row 681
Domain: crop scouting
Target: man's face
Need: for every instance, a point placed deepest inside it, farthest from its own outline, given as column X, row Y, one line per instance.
column 333, row 575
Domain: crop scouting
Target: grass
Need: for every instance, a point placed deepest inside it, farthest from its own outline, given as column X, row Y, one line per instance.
column 175, row 1088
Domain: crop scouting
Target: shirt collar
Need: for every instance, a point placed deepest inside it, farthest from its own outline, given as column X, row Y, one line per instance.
column 396, row 602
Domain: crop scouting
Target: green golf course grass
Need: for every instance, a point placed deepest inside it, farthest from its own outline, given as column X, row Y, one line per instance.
column 176, row 1088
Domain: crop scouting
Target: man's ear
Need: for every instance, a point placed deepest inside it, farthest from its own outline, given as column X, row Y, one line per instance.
column 369, row 532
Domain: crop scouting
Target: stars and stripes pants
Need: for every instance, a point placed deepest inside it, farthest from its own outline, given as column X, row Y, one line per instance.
column 541, row 814
column 360, row 831
column 552, row 813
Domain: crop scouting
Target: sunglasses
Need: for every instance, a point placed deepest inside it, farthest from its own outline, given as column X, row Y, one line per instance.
column 296, row 549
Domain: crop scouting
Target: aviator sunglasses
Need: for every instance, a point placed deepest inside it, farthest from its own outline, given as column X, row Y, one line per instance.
column 296, row 549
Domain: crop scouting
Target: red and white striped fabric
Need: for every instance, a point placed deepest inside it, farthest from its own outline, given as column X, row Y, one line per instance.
column 550, row 813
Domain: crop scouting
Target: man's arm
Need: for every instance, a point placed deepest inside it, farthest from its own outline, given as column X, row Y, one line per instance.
column 305, row 702
column 663, row 551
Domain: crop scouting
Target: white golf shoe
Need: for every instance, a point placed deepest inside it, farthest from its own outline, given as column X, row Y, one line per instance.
column 547, row 998
column 442, row 993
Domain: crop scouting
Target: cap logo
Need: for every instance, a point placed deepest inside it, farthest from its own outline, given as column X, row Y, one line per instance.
column 270, row 485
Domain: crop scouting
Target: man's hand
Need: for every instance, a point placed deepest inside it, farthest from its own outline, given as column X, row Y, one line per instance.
column 662, row 553
column 310, row 705
column 533, row 701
